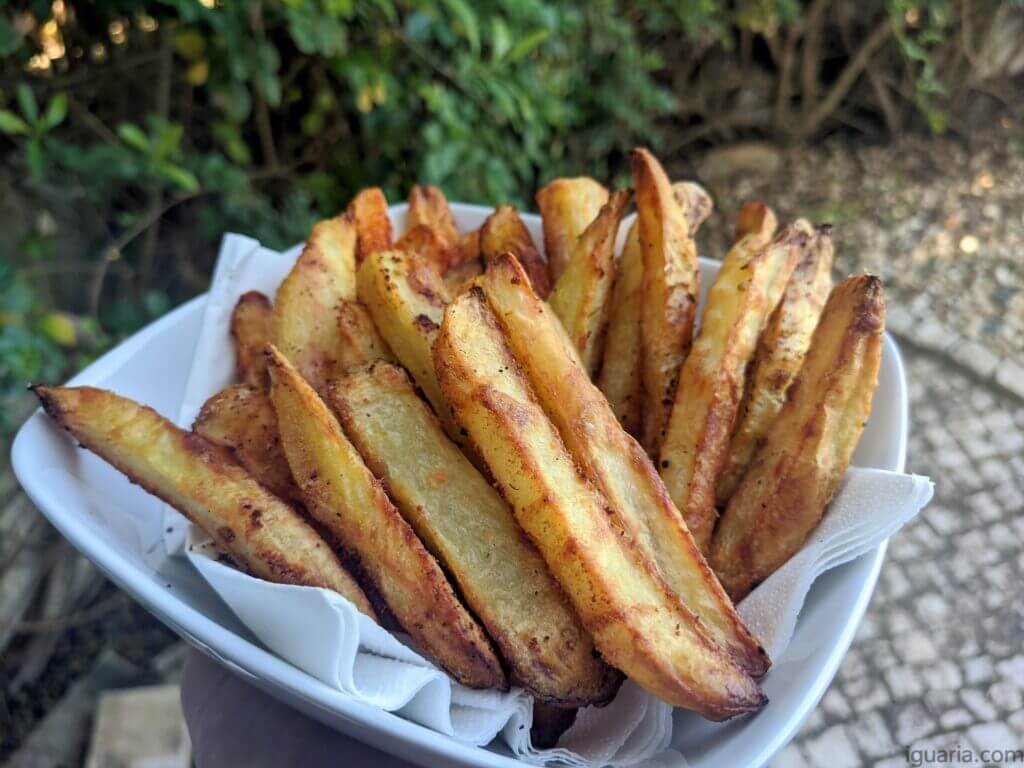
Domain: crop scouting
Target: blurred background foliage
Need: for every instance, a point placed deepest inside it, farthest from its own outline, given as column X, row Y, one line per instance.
column 134, row 133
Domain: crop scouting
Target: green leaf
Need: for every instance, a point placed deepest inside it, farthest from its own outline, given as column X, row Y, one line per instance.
column 10, row 123
column 56, row 111
column 36, row 160
column 59, row 328
column 27, row 103
column 501, row 39
column 466, row 17
column 168, row 139
column 10, row 39
column 527, row 45
column 134, row 137
column 181, row 177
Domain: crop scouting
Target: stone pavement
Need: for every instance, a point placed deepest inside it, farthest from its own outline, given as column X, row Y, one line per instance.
column 939, row 660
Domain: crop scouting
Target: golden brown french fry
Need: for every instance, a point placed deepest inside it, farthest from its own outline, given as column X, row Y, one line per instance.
column 405, row 297
column 620, row 367
column 345, row 498
column 695, row 201
column 242, row 419
column 458, row 277
column 504, row 232
column 429, row 207
column 638, row 624
column 795, row 473
column 671, row 286
column 359, row 341
column 567, row 207
column 369, row 210
column 469, row 247
column 466, row 525
column 428, row 244
column 304, row 320
column 746, row 291
column 780, row 353
column 582, row 296
column 612, row 460
column 250, row 329
column 262, row 534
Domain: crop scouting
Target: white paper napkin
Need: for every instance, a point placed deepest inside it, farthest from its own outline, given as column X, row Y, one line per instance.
column 344, row 649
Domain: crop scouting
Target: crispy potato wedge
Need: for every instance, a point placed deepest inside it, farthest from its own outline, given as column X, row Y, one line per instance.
column 469, row 528
column 795, row 473
column 458, row 277
column 469, row 247
column 567, row 207
column 582, row 296
column 345, row 498
column 695, row 201
column 780, row 353
column 262, row 534
column 429, row 207
column 746, row 291
column 428, row 244
column 369, row 211
column 504, row 232
column 242, row 419
column 406, row 298
column 303, row 324
column 638, row 624
column 359, row 340
column 620, row 366
column 613, row 461
column 250, row 329
column 671, row 286
column 620, row 378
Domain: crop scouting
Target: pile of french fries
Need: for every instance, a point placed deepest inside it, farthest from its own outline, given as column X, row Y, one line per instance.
column 537, row 462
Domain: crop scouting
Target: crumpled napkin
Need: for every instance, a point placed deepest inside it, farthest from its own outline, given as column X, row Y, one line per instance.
column 344, row 649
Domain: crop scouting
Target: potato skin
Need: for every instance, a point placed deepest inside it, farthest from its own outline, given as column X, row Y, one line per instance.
column 262, row 534
column 746, row 290
column 780, row 353
column 613, row 461
column 567, row 207
column 794, row 475
column 242, row 419
column 637, row 623
column 671, row 286
column 504, row 232
column 369, row 210
column 303, row 324
column 582, row 296
column 250, row 330
column 345, row 498
column 359, row 341
column 470, row 529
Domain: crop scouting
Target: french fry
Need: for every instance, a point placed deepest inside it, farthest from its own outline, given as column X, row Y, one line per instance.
column 242, row 419
column 613, row 461
column 794, row 475
column 429, row 207
column 749, row 285
column 250, row 330
column 405, row 297
column 671, row 286
column 369, row 211
column 428, row 244
column 345, row 498
column 262, row 534
column 567, row 207
column 466, row 525
column 780, row 353
column 304, row 319
column 359, row 342
column 620, row 378
column 638, row 624
column 504, row 232
column 582, row 296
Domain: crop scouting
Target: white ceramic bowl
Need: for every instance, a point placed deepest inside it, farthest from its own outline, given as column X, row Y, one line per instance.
column 118, row 527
